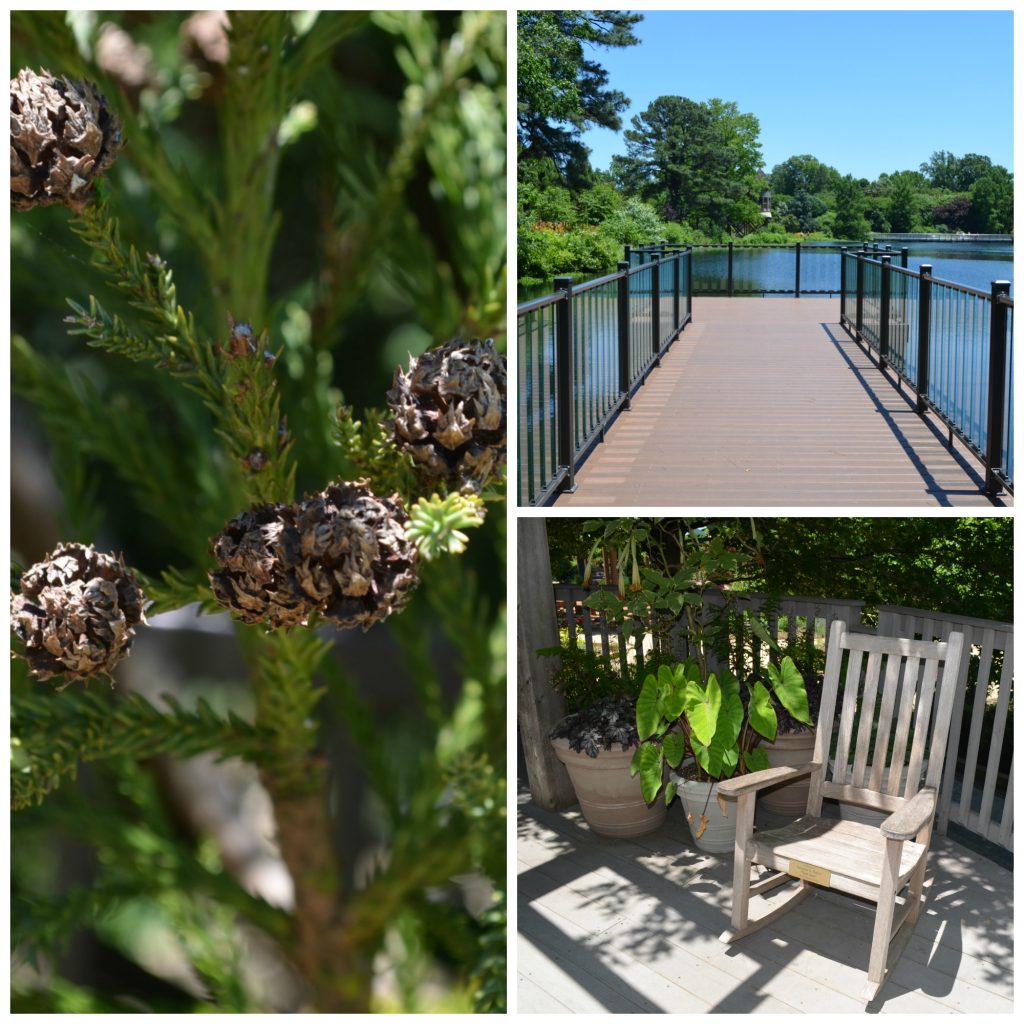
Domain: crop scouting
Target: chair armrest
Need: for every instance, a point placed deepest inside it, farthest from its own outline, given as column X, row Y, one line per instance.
column 911, row 817
column 733, row 788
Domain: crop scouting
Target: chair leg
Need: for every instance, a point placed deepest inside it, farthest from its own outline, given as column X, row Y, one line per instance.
column 916, row 881
column 883, row 919
column 749, row 926
column 741, row 862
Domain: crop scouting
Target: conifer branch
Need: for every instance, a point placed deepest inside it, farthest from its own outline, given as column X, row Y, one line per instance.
column 53, row 733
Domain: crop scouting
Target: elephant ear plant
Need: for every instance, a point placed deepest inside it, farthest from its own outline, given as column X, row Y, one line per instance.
column 330, row 188
column 719, row 722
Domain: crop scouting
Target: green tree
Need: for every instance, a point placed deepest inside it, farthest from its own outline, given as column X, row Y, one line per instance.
column 992, row 202
column 802, row 174
column 849, row 220
column 560, row 91
column 958, row 174
column 699, row 159
column 801, row 212
column 901, row 203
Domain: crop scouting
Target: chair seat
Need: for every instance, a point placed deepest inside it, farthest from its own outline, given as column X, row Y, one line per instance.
column 853, row 853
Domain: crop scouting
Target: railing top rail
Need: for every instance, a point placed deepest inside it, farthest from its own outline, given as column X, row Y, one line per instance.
column 906, row 271
column 535, row 304
column 967, row 620
column 549, row 300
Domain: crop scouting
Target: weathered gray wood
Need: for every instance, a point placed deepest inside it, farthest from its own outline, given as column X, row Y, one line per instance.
column 823, row 734
column 995, row 749
column 660, row 901
column 891, row 865
column 741, row 861
column 974, row 736
column 917, row 812
column 850, row 693
column 862, row 797
column 539, row 706
column 891, row 685
column 735, row 787
column 921, row 727
column 905, row 712
column 867, row 708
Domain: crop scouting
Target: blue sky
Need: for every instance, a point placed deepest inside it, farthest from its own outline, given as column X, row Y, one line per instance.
column 865, row 91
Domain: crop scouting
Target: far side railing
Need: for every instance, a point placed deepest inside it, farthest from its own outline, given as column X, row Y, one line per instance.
column 977, row 785
column 583, row 352
column 952, row 344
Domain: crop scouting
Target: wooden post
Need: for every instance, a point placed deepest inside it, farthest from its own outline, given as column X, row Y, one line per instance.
column 539, row 706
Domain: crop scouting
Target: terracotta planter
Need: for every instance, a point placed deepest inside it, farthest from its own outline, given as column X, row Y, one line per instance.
column 610, row 798
column 787, row 752
column 720, row 834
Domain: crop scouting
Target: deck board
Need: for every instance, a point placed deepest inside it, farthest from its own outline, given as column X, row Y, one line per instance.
column 632, row 925
column 769, row 402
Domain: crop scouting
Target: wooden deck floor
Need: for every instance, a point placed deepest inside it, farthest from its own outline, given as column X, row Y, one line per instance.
column 767, row 401
column 631, row 926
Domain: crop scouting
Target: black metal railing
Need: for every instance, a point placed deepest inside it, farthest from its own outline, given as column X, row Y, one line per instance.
column 799, row 268
column 583, row 351
column 951, row 343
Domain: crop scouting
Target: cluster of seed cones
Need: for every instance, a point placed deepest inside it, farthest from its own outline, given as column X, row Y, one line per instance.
column 341, row 552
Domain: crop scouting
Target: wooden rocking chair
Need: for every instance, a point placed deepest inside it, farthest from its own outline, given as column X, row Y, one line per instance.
column 875, row 862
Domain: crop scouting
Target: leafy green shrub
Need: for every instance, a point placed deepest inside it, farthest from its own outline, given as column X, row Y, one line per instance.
column 633, row 223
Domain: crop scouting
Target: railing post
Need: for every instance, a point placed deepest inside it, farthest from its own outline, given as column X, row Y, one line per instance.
column 624, row 342
column 564, row 382
column 924, row 315
column 627, row 253
column 729, row 292
column 798, row 270
column 656, row 308
column 675, row 291
column 883, row 314
column 904, row 257
column 996, row 387
column 689, row 282
column 842, row 283
column 860, row 294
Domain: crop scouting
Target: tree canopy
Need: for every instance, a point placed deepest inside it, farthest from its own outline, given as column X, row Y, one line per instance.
column 699, row 160
column 561, row 91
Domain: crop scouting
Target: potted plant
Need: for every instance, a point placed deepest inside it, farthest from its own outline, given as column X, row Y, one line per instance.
column 718, row 738
column 596, row 742
column 597, row 746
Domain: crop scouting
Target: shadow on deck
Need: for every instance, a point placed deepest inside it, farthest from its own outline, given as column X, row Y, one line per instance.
column 631, row 926
column 769, row 402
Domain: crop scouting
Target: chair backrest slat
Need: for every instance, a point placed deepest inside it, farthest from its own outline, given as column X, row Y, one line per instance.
column 896, row 695
column 850, row 688
column 921, row 723
column 908, row 692
column 890, row 689
column 864, row 730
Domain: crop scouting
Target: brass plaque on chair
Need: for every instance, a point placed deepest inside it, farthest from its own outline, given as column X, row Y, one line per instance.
column 809, row 872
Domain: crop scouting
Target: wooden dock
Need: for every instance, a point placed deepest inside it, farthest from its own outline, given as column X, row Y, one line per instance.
column 631, row 926
column 769, row 402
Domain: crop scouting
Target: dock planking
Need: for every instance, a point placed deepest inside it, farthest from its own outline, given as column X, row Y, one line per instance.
column 768, row 401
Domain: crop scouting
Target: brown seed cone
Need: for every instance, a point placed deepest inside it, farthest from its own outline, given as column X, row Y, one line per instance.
column 76, row 613
column 256, row 552
column 450, row 412
column 356, row 565
column 341, row 552
column 63, row 137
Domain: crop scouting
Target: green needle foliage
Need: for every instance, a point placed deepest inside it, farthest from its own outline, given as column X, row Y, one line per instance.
column 304, row 202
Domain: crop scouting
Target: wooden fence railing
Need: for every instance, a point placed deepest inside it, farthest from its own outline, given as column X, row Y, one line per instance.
column 977, row 785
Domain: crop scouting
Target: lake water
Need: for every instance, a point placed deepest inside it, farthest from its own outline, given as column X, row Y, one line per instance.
column 976, row 264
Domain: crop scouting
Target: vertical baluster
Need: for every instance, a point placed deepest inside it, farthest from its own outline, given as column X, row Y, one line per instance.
column 996, row 387
column 566, row 413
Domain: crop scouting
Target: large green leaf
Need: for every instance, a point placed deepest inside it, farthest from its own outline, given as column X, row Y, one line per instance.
column 759, row 629
column 648, row 717
column 755, row 760
column 670, row 792
column 672, row 691
column 674, row 748
column 702, row 705
column 788, row 684
column 634, row 764
column 650, row 771
column 761, row 712
column 730, row 718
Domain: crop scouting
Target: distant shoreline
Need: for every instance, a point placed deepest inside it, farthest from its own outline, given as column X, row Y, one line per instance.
column 925, row 236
